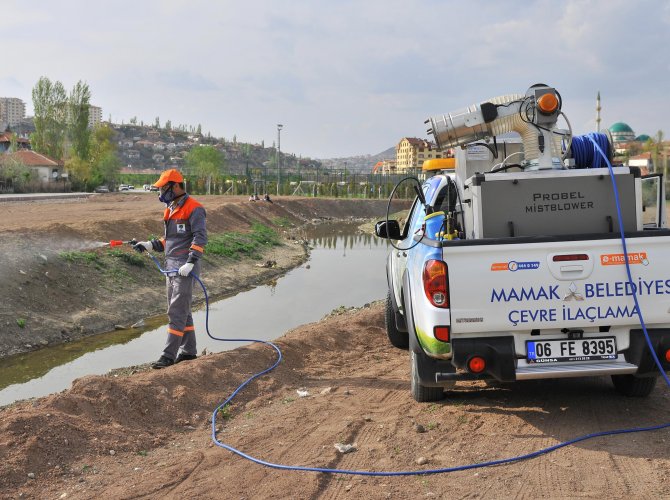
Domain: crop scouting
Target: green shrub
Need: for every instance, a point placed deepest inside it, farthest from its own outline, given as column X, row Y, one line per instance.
column 235, row 245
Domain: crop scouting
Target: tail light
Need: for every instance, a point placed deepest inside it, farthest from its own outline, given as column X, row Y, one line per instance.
column 441, row 333
column 476, row 364
column 435, row 283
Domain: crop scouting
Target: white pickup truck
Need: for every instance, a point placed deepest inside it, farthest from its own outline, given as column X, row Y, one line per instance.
column 517, row 271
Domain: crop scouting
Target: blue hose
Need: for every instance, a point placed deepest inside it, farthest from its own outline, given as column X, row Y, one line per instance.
column 585, row 153
column 477, row 465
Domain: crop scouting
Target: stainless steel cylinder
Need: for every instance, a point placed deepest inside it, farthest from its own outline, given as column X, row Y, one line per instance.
column 459, row 127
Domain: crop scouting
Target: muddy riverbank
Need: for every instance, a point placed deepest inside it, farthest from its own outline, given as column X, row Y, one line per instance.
column 59, row 285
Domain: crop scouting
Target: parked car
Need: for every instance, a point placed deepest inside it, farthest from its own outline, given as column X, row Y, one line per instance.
column 102, row 189
column 124, row 187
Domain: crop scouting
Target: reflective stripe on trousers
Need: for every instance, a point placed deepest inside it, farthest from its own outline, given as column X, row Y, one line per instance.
column 181, row 332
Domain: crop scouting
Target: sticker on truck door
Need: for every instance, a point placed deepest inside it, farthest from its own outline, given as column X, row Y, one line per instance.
column 618, row 259
column 513, row 266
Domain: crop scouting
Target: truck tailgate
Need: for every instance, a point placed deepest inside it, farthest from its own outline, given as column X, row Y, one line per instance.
column 557, row 284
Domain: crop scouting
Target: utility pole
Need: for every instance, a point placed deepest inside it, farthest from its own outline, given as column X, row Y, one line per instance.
column 279, row 127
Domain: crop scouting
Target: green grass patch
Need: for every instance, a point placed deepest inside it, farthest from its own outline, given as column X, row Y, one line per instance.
column 236, row 245
column 282, row 222
column 80, row 257
column 224, row 412
column 133, row 259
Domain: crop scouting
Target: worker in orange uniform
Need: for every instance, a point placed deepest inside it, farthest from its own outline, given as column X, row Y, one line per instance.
column 183, row 242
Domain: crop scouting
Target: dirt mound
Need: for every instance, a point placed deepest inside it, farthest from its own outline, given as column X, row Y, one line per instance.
column 148, row 434
column 133, row 414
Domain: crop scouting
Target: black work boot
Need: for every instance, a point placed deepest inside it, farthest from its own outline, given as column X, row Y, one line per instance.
column 163, row 362
column 184, row 357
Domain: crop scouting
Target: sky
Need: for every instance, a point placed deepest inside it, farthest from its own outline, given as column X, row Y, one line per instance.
column 343, row 77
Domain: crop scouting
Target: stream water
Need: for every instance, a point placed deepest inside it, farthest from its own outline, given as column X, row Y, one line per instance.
column 346, row 268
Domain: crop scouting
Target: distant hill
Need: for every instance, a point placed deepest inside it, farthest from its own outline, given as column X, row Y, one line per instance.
column 360, row 163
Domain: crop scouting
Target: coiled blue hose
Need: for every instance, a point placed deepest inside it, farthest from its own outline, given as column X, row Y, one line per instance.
column 585, row 153
column 597, row 143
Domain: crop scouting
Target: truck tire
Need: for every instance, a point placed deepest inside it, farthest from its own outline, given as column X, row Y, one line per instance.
column 421, row 393
column 630, row 385
column 396, row 337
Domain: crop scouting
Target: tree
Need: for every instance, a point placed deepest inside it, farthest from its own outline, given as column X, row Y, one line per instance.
column 168, row 125
column 199, row 130
column 13, row 143
column 105, row 165
column 102, row 166
column 79, row 172
column 246, row 153
column 205, row 162
column 654, row 145
column 157, row 123
column 15, row 174
column 78, row 115
column 50, row 108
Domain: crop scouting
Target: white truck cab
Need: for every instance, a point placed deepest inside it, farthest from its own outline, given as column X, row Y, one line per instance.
column 517, row 270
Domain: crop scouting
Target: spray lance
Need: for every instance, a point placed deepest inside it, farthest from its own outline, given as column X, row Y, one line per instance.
column 117, row 243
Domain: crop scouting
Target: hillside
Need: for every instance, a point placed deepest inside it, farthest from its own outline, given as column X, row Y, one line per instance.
column 359, row 164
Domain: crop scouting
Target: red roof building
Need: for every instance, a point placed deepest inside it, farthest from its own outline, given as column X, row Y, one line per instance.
column 47, row 169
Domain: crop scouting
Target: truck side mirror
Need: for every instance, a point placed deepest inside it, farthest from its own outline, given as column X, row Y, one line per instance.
column 389, row 231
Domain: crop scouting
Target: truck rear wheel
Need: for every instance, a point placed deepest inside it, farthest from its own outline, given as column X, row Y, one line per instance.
column 421, row 393
column 396, row 337
column 630, row 385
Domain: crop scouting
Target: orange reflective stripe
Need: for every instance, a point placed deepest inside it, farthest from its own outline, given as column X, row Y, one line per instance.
column 198, row 248
column 175, row 332
column 183, row 211
column 189, row 328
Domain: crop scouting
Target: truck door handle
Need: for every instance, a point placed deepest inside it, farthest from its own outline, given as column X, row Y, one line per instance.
column 572, row 269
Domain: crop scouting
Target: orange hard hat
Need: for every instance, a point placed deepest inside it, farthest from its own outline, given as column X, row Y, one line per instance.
column 172, row 175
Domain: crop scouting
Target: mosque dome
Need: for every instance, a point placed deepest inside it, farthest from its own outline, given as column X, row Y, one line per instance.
column 621, row 132
column 642, row 138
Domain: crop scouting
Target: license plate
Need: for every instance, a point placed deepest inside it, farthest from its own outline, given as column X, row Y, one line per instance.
column 556, row 351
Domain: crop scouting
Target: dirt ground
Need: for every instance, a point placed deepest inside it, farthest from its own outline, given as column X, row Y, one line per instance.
column 147, row 434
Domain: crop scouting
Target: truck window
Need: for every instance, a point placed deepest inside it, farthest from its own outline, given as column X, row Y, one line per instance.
column 651, row 201
column 446, row 198
column 414, row 220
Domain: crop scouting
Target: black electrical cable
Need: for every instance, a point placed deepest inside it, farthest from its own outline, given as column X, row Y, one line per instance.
column 494, row 151
column 460, row 202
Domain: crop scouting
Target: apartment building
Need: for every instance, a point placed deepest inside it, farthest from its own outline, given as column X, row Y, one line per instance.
column 412, row 152
column 12, row 111
column 94, row 116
